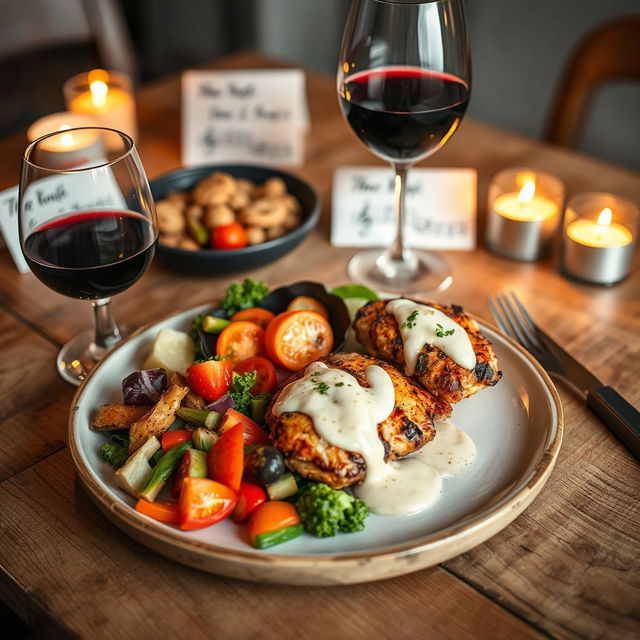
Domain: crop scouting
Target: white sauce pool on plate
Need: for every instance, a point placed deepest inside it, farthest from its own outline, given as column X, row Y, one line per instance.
column 347, row 415
column 420, row 324
column 450, row 452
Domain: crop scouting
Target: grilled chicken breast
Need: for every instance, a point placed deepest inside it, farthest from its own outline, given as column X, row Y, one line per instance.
column 377, row 330
column 406, row 429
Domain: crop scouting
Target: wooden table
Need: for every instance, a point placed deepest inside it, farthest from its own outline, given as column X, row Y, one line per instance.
column 568, row 567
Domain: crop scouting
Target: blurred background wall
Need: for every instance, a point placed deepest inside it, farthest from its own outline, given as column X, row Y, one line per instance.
column 519, row 50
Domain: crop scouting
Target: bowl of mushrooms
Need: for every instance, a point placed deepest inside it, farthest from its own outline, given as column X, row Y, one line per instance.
column 231, row 217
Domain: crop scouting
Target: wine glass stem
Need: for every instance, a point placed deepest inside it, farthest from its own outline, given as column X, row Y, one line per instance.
column 106, row 329
column 397, row 251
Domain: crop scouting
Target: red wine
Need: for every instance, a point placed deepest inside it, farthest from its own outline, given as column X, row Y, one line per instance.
column 403, row 113
column 91, row 255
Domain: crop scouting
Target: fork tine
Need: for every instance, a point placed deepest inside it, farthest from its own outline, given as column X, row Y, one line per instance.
column 514, row 322
column 498, row 318
column 532, row 328
column 521, row 325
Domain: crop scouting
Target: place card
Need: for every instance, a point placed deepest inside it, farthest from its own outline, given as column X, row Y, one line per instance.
column 440, row 206
column 255, row 116
column 48, row 197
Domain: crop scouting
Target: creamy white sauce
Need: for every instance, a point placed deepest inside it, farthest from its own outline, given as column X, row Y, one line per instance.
column 347, row 416
column 450, row 452
column 420, row 324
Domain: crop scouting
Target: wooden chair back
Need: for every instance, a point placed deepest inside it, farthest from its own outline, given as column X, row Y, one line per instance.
column 611, row 52
column 33, row 25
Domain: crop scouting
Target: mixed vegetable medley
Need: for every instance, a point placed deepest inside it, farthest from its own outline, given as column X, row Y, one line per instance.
column 192, row 420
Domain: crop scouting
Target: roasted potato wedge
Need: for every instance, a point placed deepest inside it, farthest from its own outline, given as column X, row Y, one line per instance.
column 159, row 419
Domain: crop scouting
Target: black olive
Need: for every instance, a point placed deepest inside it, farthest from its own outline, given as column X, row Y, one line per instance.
column 263, row 464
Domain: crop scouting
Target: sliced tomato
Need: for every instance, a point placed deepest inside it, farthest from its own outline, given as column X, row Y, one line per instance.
column 295, row 338
column 301, row 303
column 192, row 465
column 257, row 315
column 250, row 497
column 210, row 379
column 240, row 341
column 266, row 373
column 226, row 458
column 204, row 502
column 172, row 438
column 252, row 432
column 229, row 236
column 160, row 511
column 271, row 516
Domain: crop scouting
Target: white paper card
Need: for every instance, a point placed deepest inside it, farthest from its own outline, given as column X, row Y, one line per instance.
column 53, row 196
column 256, row 116
column 440, row 206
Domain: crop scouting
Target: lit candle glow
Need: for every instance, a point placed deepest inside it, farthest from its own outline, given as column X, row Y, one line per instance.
column 601, row 233
column 525, row 205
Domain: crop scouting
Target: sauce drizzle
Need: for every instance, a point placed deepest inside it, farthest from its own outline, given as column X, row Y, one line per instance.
column 420, row 324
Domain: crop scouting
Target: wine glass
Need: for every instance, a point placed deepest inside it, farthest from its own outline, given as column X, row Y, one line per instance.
column 88, row 228
column 403, row 86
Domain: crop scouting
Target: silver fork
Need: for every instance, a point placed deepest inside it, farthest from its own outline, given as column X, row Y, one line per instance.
column 618, row 414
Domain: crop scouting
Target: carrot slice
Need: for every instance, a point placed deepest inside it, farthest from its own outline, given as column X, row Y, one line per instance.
column 240, row 341
column 296, row 338
column 302, row 303
column 261, row 317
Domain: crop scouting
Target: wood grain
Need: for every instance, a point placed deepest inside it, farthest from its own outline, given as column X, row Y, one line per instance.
column 63, row 549
column 33, row 398
column 569, row 565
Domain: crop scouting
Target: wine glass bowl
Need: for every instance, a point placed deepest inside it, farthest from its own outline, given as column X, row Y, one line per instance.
column 87, row 231
column 403, row 87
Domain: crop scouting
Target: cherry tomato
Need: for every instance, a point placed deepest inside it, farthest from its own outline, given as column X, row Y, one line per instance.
column 193, row 465
column 204, row 502
column 210, row 379
column 229, row 236
column 266, row 378
column 271, row 516
column 301, row 303
column 252, row 432
column 240, row 341
column 160, row 511
column 226, row 458
column 250, row 497
column 257, row 315
column 295, row 338
column 172, row 438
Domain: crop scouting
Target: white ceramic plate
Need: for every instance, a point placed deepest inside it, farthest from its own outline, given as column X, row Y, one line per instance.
column 516, row 426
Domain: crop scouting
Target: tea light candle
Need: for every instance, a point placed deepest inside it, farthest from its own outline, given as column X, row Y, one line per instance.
column 73, row 149
column 524, row 210
column 105, row 95
column 600, row 236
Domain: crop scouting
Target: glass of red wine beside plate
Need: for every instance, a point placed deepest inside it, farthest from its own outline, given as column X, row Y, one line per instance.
column 403, row 85
column 87, row 231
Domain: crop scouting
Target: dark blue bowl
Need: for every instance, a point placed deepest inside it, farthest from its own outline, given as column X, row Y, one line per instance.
column 212, row 261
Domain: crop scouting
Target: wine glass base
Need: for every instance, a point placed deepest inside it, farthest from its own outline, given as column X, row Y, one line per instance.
column 74, row 360
column 423, row 272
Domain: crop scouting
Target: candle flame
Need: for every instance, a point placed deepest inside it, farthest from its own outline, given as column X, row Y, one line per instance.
column 66, row 139
column 605, row 216
column 527, row 191
column 98, row 79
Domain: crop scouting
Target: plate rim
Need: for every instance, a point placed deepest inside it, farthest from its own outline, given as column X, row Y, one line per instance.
column 469, row 533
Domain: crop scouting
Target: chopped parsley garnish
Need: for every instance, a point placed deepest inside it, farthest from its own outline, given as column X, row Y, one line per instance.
column 321, row 387
column 339, row 384
column 410, row 322
column 240, row 391
column 441, row 333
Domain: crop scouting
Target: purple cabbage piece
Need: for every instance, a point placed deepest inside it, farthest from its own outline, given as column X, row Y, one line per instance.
column 144, row 388
column 221, row 404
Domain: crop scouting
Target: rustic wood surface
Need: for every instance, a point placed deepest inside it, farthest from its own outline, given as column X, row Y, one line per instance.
column 569, row 567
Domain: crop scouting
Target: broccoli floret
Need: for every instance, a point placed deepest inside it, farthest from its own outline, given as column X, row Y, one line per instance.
column 115, row 454
column 240, row 391
column 243, row 295
column 325, row 511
